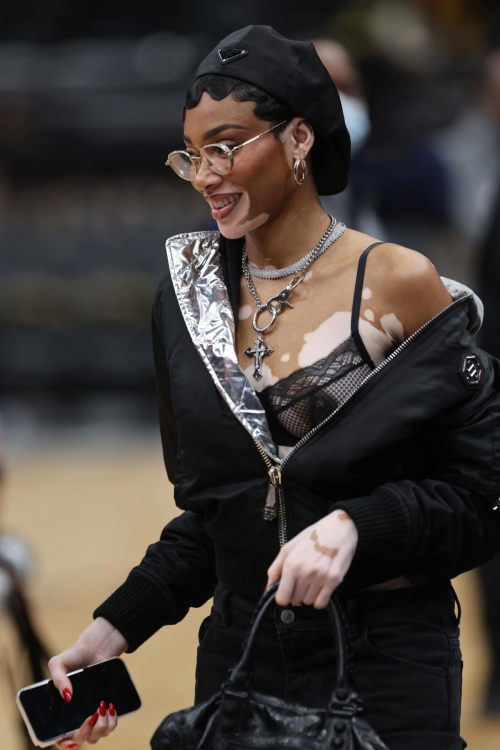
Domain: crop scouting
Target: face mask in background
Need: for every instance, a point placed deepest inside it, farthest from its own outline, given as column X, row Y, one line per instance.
column 357, row 120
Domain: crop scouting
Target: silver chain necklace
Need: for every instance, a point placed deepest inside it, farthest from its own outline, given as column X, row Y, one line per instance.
column 299, row 265
column 276, row 305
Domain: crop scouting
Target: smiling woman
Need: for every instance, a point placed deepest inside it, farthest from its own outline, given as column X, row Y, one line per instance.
column 218, row 157
column 260, row 160
column 352, row 452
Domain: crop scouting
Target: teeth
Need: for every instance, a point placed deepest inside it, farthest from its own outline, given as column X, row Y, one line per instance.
column 225, row 201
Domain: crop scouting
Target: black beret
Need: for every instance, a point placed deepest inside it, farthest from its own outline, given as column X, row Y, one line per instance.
column 292, row 73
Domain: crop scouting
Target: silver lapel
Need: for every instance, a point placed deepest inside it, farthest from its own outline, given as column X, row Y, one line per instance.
column 196, row 273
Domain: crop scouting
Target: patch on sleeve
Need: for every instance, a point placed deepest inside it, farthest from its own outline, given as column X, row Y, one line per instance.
column 471, row 371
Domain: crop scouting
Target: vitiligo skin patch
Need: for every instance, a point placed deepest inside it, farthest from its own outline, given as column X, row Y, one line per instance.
column 344, row 516
column 312, row 330
column 244, row 312
column 392, row 327
column 337, row 328
column 329, row 334
column 328, row 551
column 267, row 376
column 241, row 221
column 333, row 330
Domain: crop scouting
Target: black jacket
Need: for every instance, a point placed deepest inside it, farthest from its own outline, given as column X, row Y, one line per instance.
column 413, row 455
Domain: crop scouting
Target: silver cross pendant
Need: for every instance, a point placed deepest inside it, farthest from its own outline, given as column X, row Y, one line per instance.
column 259, row 351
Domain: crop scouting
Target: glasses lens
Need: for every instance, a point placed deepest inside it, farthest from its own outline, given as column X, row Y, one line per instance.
column 216, row 159
column 182, row 165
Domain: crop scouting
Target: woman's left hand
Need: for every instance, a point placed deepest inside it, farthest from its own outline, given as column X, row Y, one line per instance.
column 314, row 563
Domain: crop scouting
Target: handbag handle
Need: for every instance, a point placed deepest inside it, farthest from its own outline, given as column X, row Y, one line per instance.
column 241, row 675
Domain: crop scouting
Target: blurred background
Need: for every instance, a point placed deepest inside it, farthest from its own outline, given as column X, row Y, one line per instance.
column 91, row 99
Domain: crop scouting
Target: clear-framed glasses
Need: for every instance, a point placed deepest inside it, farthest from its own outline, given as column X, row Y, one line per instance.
column 217, row 156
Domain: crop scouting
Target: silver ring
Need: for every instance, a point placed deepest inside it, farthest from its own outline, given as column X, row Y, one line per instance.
column 256, row 315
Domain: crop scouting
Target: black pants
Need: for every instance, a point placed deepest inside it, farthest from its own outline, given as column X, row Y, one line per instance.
column 406, row 659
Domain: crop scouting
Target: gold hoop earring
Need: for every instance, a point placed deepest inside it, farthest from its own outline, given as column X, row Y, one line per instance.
column 299, row 163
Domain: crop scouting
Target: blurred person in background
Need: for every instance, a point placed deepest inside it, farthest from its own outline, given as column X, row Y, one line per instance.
column 355, row 204
column 488, row 271
column 383, row 505
column 24, row 661
column 488, row 259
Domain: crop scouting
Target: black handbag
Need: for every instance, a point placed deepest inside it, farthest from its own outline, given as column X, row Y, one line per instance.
column 240, row 718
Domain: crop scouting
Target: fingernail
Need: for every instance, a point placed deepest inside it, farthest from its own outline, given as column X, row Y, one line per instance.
column 66, row 694
column 102, row 708
column 73, row 744
column 93, row 719
column 111, row 709
column 266, row 587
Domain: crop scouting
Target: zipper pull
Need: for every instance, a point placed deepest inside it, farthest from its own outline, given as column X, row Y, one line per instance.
column 270, row 509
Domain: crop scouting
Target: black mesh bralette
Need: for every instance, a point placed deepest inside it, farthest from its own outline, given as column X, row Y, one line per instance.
column 299, row 402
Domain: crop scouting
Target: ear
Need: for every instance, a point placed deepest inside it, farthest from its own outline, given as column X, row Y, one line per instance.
column 300, row 140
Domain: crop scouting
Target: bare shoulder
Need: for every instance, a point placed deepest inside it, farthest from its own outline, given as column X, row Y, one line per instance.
column 407, row 283
column 406, row 270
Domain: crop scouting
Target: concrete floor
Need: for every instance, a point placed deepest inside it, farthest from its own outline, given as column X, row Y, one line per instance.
column 89, row 511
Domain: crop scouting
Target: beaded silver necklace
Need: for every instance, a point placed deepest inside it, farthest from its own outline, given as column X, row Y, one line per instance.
column 300, row 264
column 276, row 305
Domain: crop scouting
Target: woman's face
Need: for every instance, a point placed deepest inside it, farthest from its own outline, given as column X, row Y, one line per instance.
column 261, row 180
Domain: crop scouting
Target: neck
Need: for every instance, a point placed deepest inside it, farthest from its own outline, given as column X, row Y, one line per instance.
column 290, row 235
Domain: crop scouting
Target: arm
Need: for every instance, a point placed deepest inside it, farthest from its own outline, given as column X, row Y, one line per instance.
column 178, row 571
column 440, row 522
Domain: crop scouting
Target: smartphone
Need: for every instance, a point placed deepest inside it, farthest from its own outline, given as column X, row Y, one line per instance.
column 49, row 718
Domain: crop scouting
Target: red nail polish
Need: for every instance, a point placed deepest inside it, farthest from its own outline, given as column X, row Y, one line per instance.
column 73, row 744
column 265, row 588
column 111, row 709
column 102, row 708
column 93, row 719
column 66, row 694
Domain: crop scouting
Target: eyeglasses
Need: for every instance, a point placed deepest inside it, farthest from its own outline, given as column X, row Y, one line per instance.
column 217, row 156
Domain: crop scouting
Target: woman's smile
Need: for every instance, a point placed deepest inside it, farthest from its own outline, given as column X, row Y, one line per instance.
column 222, row 204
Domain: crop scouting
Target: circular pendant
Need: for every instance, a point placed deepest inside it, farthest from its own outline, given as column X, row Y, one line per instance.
column 261, row 309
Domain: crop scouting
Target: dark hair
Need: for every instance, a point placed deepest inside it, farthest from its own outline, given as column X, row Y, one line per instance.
column 218, row 87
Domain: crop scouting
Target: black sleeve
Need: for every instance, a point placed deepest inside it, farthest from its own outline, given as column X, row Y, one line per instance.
column 178, row 571
column 168, row 429
column 442, row 524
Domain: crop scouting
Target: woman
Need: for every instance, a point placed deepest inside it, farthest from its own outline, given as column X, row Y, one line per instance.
column 331, row 428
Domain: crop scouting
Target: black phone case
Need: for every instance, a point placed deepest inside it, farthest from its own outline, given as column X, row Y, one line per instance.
column 47, row 743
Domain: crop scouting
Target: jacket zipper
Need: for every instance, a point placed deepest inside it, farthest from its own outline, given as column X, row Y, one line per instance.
column 275, row 502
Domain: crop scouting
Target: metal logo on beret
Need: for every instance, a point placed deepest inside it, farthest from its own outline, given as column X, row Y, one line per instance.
column 471, row 371
column 228, row 54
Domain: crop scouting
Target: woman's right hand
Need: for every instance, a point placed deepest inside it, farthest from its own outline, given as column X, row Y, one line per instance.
column 100, row 641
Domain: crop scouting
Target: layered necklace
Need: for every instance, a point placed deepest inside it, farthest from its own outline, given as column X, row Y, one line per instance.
column 276, row 305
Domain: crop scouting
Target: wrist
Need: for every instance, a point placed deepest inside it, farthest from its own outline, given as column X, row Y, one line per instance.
column 102, row 637
column 340, row 515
